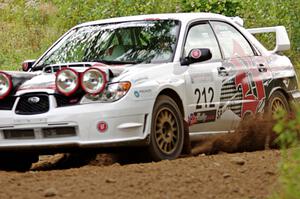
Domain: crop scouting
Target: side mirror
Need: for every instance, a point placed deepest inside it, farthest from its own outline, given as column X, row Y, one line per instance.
column 197, row 55
column 26, row 65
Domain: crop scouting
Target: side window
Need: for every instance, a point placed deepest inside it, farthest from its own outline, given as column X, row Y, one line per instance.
column 231, row 41
column 202, row 36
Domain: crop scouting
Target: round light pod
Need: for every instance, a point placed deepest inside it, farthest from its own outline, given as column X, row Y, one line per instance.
column 67, row 81
column 93, row 81
column 5, row 84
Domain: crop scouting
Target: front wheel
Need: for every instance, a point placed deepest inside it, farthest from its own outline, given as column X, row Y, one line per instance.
column 17, row 162
column 167, row 133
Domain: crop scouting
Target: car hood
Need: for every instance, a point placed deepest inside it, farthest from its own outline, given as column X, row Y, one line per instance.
column 26, row 82
column 44, row 81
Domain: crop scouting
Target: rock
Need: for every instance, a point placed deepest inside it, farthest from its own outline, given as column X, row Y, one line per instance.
column 238, row 160
column 110, row 181
column 217, row 164
column 226, row 175
column 116, row 165
column 242, row 170
column 51, row 192
column 236, row 190
column 271, row 173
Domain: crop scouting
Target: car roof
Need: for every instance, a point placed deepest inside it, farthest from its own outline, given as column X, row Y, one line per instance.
column 183, row 17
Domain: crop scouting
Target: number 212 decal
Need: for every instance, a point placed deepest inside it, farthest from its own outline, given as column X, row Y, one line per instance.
column 206, row 93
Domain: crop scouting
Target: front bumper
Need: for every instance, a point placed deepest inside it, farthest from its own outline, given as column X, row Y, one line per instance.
column 127, row 125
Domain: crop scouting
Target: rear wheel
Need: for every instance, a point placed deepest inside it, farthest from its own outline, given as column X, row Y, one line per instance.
column 277, row 102
column 167, row 131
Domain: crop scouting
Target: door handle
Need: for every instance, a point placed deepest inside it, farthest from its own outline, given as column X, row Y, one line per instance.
column 262, row 68
column 222, row 71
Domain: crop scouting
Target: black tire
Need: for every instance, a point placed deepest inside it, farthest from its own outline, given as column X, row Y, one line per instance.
column 17, row 162
column 277, row 101
column 167, row 132
column 76, row 160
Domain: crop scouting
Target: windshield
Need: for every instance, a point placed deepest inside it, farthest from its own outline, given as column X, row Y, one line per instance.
column 150, row 41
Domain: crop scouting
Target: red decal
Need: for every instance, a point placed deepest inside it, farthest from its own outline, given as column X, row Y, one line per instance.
column 251, row 83
column 51, row 87
column 25, row 66
column 196, row 54
column 102, row 126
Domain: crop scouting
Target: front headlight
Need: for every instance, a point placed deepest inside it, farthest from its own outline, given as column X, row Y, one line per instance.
column 112, row 93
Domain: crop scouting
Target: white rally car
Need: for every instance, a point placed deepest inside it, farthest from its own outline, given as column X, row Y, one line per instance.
column 154, row 81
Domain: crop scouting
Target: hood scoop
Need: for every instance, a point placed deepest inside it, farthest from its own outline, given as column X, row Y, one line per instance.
column 18, row 78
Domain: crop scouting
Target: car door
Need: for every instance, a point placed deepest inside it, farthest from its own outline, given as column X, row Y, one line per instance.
column 204, row 82
column 247, row 94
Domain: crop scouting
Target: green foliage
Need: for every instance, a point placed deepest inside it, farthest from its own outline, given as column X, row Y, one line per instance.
column 225, row 7
column 29, row 27
column 272, row 13
column 288, row 129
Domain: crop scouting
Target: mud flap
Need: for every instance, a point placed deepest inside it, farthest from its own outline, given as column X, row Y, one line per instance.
column 187, row 149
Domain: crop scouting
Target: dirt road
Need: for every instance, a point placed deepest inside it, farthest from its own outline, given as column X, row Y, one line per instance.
column 241, row 175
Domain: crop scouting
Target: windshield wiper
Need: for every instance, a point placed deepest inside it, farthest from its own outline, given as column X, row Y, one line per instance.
column 112, row 62
column 40, row 67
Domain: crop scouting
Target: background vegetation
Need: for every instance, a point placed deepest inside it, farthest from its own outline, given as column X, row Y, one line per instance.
column 288, row 129
column 29, row 27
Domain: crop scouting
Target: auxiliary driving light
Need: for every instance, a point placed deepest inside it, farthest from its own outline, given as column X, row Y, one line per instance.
column 5, row 84
column 67, row 81
column 93, row 81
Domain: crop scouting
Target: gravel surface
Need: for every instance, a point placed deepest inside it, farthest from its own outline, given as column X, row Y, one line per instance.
column 239, row 175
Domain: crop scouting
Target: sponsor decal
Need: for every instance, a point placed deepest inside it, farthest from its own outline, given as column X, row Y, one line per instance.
column 202, row 117
column 145, row 91
column 201, row 77
column 137, row 94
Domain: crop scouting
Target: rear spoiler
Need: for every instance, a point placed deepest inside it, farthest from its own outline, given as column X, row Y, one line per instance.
column 282, row 38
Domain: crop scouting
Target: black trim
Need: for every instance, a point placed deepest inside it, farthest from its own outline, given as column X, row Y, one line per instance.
column 25, row 107
column 220, row 48
column 71, row 147
column 7, row 103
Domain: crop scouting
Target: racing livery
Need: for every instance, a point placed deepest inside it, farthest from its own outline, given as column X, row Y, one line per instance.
column 152, row 81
